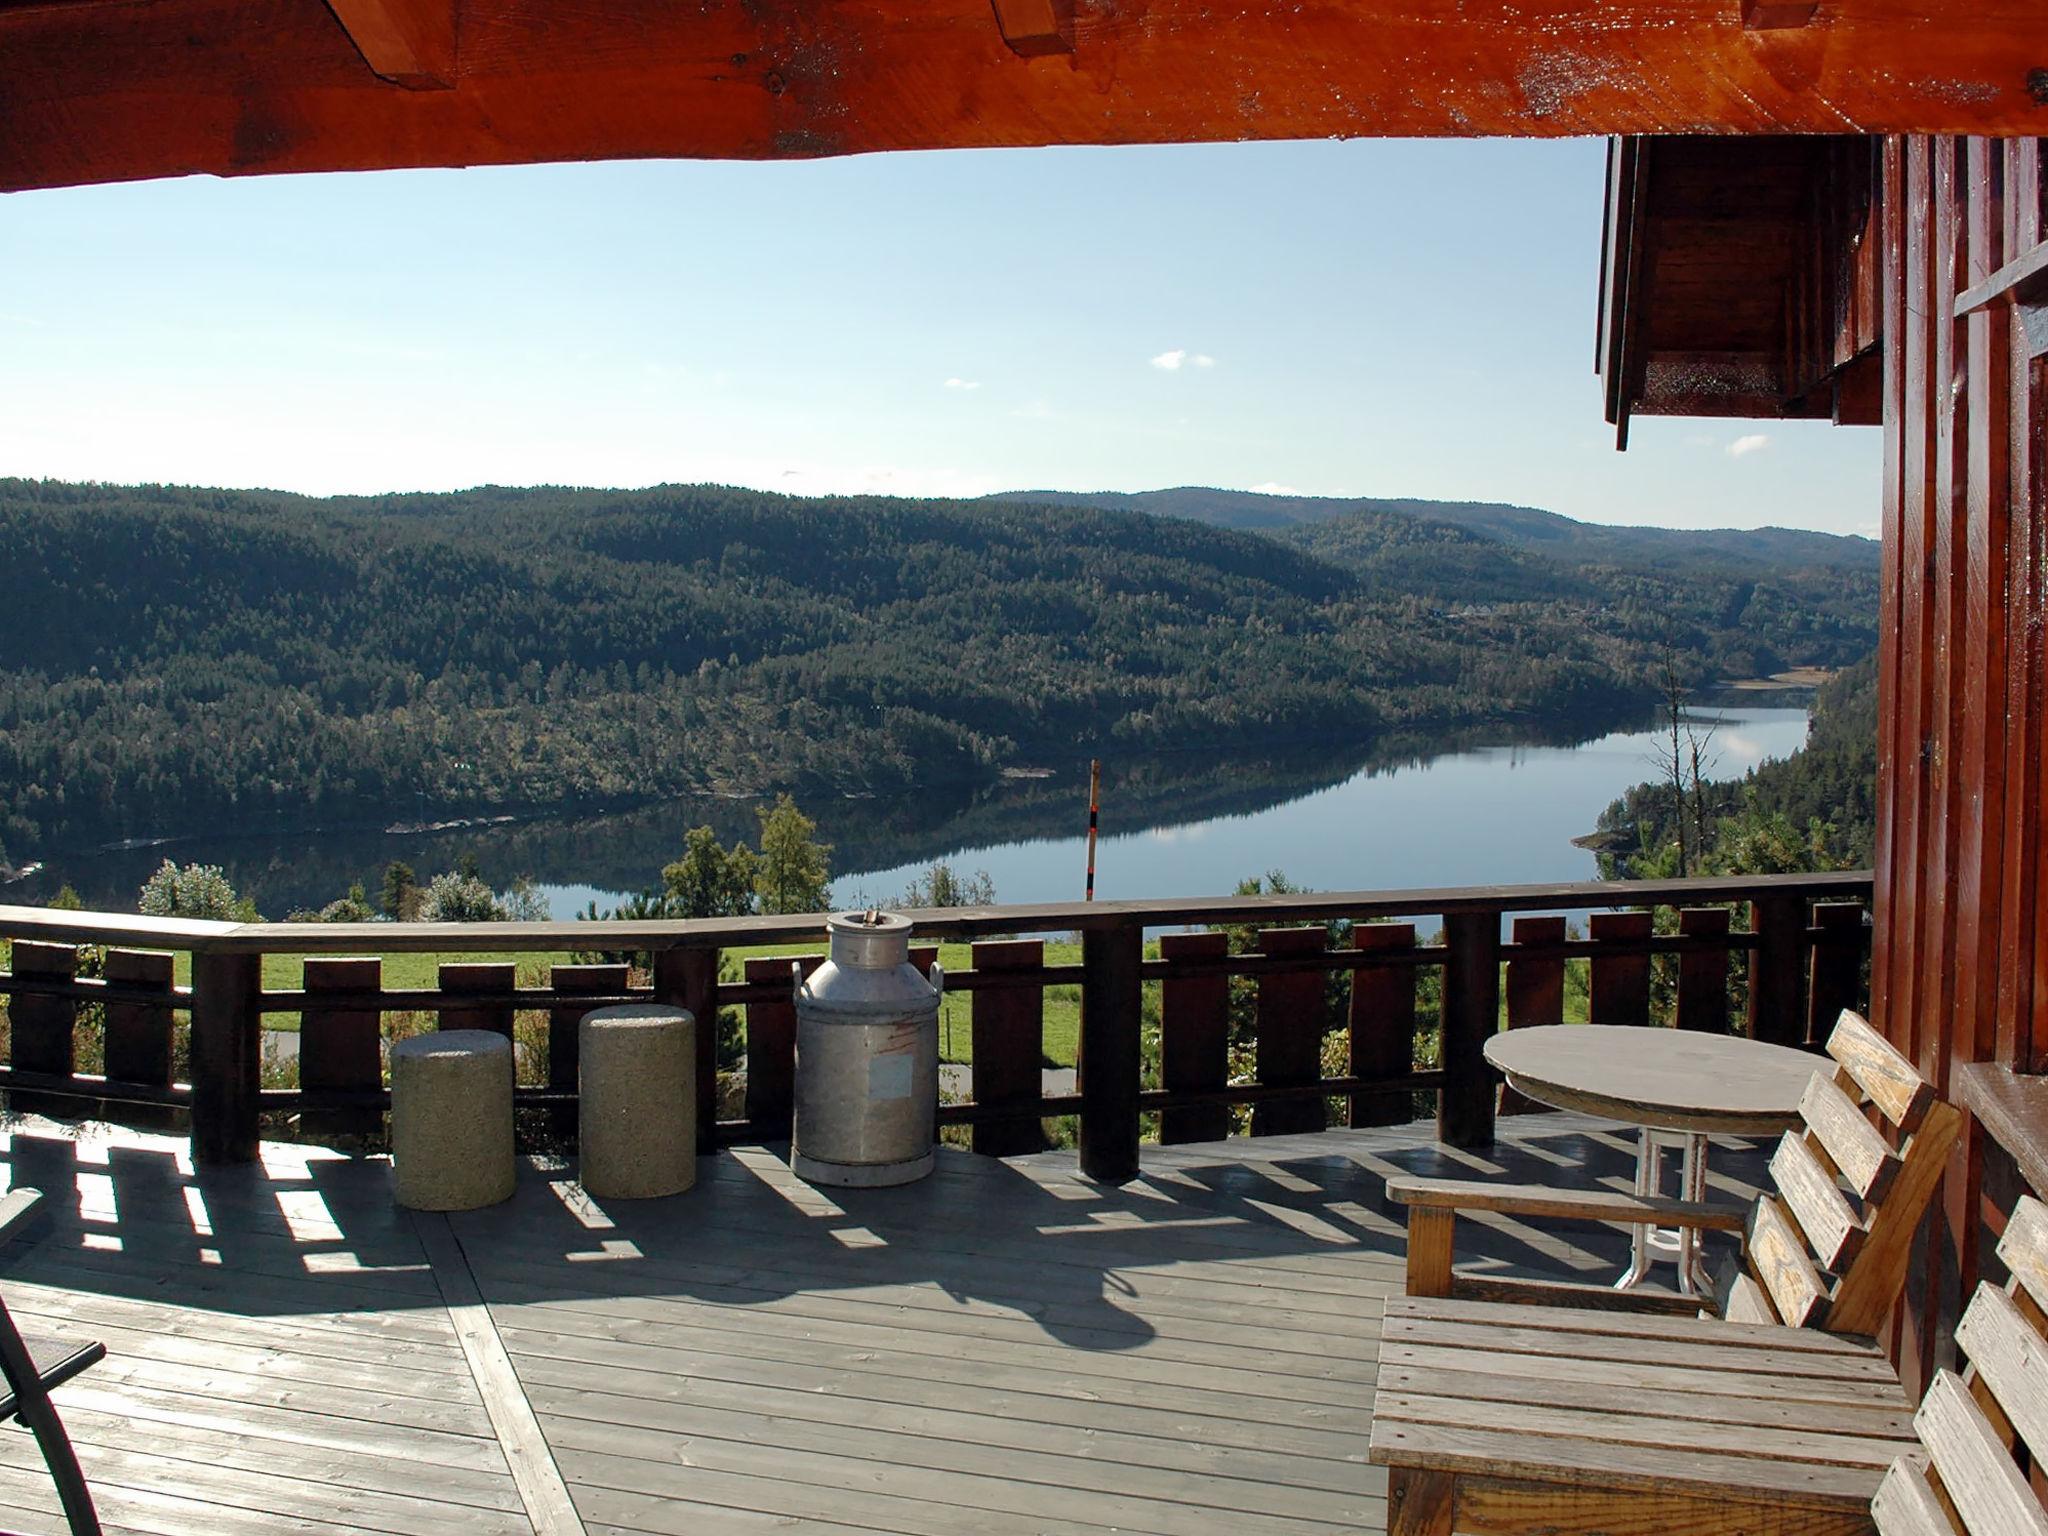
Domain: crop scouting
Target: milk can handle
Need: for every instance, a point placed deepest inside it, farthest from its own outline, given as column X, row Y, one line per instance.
column 938, row 979
column 796, row 979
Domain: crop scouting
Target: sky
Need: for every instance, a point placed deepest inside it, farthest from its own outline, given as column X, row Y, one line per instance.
column 1362, row 318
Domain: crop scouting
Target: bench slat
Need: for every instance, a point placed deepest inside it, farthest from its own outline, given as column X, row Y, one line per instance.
column 2024, row 1248
column 1849, row 1139
column 1777, row 1255
column 2012, row 1360
column 1885, row 1076
column 1817, row 1202
column 1906, row 1505
column 1977, row 1470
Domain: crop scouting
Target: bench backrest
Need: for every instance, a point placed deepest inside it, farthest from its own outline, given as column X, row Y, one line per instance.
column 1984, row 1431
column 1828, row 1249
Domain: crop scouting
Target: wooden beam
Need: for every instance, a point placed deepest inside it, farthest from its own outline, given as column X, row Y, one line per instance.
column 411, row 43
column 113, row 92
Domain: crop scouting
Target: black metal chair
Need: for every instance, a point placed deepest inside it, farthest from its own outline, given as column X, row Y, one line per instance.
column 32, row 1368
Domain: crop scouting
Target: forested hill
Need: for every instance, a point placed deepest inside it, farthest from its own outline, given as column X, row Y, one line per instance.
column 175, row 658
column 1561, row 539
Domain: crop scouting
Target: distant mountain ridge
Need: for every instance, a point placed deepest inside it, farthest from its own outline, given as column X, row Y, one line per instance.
column 1525, row 528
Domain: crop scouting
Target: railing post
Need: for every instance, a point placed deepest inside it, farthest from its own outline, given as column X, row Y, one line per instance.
column 1007, row 1028
column 1471, row 1014
column 43, row 1030
column 1535, row 992
column 688, row 978
column 1111, row 1015
column 341, row 1047
column 1777, row 970
column 1292, row 1015
column 1618, row 986
column 1382, row 1021
column 1703, row 974
column 227, row 1052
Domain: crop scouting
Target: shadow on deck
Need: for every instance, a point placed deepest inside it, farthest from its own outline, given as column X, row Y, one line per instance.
column 1002, row 1348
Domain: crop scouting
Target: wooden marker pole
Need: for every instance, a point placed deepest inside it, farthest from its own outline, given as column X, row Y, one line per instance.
column 1094, row 812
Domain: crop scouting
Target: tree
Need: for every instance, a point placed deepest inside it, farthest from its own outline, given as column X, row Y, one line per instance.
column 939, row 886
column 523, row 902
column 66, row 899
column 710, row 881
column 795, row 868
column 352, row 908
column 458, row 898
column 401, row 898
column 197, row 890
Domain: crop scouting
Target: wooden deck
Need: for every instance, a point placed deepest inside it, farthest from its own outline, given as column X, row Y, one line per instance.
column 1002, row 1348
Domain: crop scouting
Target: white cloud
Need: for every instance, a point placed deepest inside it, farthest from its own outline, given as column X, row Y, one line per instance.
column 1273, row 488
column 1181, row 357
column 963, row 383
column 1756, row 442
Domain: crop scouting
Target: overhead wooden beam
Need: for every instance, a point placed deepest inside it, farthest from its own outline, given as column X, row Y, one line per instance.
column 230, row 87
column 408, row 42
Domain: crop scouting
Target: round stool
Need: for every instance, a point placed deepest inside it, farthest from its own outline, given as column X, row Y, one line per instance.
column 451, row 1119
column 637, row 1101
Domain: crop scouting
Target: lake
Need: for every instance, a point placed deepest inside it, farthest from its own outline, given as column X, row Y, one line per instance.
column 1430, row 813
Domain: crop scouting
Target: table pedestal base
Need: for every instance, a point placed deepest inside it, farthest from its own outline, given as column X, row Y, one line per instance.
column 1647, row 1244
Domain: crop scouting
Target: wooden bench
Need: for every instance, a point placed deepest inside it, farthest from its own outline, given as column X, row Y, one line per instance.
column 32, row 1368
column 1984, row 1432
column 1542, row 1421
column 1827, row 1250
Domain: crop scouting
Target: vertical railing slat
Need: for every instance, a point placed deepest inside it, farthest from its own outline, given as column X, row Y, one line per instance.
column 771, row 1045
column 457, row 978
column 1112, row 1002
column 688, row 977
column 1535, row 990
column 1837, row 968
column 1471, row 1015
column 565, row 1026
column 1382, row 1025
column 1777, row 970
column 341, row 1047
column 44, row 1029
column 1292, row 1019
column 136, row 1044
column 1007, row 1030
column 1618, row 988
column 1194, row 1037
column 1703, row 974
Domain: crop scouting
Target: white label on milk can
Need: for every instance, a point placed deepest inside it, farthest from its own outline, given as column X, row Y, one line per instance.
column 889, row 1076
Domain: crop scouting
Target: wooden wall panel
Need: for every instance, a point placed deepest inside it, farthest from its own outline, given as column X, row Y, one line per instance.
column 1960, row 971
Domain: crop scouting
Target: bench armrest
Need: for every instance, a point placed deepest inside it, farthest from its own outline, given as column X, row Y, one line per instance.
column 17, row 1207
column 1564, row 1204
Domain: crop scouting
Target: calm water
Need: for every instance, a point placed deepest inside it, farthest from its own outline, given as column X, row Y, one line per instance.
column 1185, row 824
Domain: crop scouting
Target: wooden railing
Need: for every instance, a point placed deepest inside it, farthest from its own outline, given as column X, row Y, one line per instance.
column 1803, row 956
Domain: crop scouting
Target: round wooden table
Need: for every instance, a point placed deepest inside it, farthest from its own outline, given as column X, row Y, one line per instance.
column 1675, row 1086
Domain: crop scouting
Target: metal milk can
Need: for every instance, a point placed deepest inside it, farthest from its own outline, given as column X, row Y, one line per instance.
column 867, row 1057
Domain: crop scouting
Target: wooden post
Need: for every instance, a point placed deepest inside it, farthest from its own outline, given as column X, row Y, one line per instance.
column 1777, row 971
column 689, row 978
column 1007, row 1024
column 771, row 1046
column 1292, row 1014
column 1194, row 1037
column 1382, row 1025
column 44, row 1029
column 457, row 979
column 341, row 1047
column 1619, row 985
column 1535, row 991
column 227, row 1054
column 1703, row 974
column 1837, row 969
column 565, row 1027
column 1471, row 1014
column 1111, row 1017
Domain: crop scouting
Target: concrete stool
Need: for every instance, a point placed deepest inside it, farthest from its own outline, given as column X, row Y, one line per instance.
column 637, row 1096
column 451, row 1119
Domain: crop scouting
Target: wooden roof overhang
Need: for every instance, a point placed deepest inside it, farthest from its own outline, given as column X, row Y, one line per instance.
column 1740, row 277
column 111, row 90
